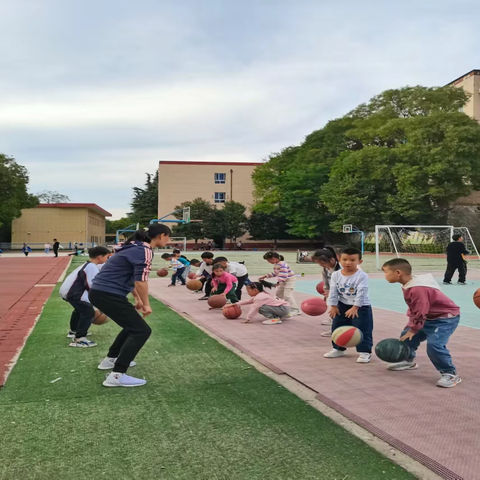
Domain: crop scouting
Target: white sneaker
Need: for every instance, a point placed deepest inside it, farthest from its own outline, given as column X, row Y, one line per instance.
column 326, row 334
column 406, row 365
column 327, row 322
column 295, row 313
column 82, row 343
column 364, row 357
column 115, row 379
column 108, row 363
column 335, row 353
column 272, row 321
column 448, row 380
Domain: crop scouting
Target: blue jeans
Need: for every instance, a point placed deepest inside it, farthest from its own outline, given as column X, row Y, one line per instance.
column 436, row 333
column 178, row 275
column 364, row 322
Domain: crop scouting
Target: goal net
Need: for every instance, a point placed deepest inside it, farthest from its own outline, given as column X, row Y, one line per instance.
column 177, row 242
column 420, row 241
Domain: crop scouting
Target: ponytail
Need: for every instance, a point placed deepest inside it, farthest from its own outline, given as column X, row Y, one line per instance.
column 260, row 285
column 154, row 230
column 270, row 255
column 326, row 254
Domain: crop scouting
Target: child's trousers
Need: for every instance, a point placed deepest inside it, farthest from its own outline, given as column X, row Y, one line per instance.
column 285, row 292
column 436, row 333
column 364, row 322
column 231, row 295
column 178, row 275
column 270, row 311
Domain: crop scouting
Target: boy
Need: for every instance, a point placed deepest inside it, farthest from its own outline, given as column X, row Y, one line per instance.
column 204, row 273
column 238, row 270
column 350, row 303
column 178, row 269
column 455, row 260
column 75, row 290
column 182, row 259
column 432, row 316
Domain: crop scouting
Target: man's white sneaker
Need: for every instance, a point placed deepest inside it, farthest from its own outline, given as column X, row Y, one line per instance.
column 327, row 322
column 335, row 353
column 406, row 365
column 364, row 357
column 272, row 321
column 115, row 379
column 448, row 380
column 108, row 363
column 82, row 343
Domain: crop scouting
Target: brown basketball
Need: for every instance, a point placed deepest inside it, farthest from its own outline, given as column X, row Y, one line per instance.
column 217, row 301
column 100, row 318
column 194, row 285
column 191, row 275
column 163, row 272
column 476, row 298
column 232, row 311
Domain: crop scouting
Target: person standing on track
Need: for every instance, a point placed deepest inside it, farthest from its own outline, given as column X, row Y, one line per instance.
column 56, row 246
column 456, row 260
column 127, row 272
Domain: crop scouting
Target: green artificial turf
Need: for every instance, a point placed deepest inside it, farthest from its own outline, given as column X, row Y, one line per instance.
column 204, row 414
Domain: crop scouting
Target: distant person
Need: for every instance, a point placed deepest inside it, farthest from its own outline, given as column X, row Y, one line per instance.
column 239, row 245
column 456, row 261
column 26, row 249
column 56, row 246
column 47, row 247
column 75, row 250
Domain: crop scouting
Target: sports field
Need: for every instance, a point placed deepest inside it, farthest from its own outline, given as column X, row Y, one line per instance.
column 205, row 414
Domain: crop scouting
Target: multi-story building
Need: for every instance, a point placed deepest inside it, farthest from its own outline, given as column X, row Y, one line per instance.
column 470, row 82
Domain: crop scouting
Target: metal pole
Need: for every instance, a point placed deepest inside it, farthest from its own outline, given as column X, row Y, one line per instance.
column 363, row 237
column 377, row 247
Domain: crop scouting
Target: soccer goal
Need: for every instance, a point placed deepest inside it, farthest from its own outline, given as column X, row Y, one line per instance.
column 419, row 240
column 177, row 242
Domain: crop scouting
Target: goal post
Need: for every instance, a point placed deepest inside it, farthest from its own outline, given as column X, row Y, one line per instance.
column 177, row 242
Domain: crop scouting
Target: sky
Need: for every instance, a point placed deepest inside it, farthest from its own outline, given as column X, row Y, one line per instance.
column 94, row 93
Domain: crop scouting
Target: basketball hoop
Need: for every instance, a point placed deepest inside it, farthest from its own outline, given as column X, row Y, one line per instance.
column 348, row 228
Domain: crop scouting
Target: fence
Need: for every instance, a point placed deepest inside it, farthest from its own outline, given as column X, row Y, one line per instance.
column 5, row 246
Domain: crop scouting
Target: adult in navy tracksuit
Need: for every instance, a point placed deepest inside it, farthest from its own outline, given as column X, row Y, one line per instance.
column 127, row 272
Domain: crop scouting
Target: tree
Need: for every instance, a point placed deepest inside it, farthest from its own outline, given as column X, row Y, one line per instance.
column 266, row 226
column 113, row 225
column 13, row 190
column 145, row 201
column 228, row 222
column 48, row 196
column 199, row 210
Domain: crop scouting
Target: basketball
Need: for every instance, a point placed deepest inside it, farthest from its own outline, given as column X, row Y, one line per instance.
column 320, row 288
column 347, row 336
column 232, row 311
column 392, row 350
column 100, row 318
column 217, row 301
column 194, row 285
column 191, row 275
column 476, row 298
column 314, row 307
column 163, row 272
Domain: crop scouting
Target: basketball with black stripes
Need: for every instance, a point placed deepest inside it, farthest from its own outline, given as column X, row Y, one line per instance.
column 392, row 350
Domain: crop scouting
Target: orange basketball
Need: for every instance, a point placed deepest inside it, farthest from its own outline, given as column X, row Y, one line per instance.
column 476, row 298
column 314, row 307
column 194, row 285
column 191, row 275
column 100, row 318
column 217, row 301
column 232, row 311
column 163, row 272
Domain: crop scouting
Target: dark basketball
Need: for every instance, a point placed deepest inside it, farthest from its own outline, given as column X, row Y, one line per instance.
column 392, row 350
column 191, row 275
column 476, row 298
column 232, row 311
column 194, row 285
column 163, row 272
column 217, row 301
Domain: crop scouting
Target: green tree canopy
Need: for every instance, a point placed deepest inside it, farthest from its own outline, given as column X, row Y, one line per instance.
column 49, row 196
column 13, row 190
column 113, row 225
column 199, row 210
column 145, row 201
column 267, row 226
column 228, row 222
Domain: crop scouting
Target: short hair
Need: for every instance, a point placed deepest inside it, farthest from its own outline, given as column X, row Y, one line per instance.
column 399, row 264
column 207, row 255
column 220, row 259
column 456, row 237
column 166, row 255
column 270, row 255
column 193, row 261
column 218, row 265
column 351, row 251
column 175, row 251
column 96, row 252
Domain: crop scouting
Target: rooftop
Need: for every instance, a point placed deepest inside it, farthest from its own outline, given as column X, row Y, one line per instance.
column 90, row 206
column 468, row 74
column 238, row 164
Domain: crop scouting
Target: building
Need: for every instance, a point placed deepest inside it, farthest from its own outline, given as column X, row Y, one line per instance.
column 67, row 222
column 470, row 82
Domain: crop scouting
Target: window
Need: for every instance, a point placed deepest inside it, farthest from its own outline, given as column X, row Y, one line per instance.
column 220, row 177
column 219, row 197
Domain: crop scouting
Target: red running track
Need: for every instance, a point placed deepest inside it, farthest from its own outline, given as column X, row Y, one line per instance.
column 25, row 286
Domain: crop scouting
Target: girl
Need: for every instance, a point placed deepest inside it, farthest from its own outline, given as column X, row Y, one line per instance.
column 272, row 308
column 127, row 271
column 286, row 280
column 224, row 283
column 327, row 258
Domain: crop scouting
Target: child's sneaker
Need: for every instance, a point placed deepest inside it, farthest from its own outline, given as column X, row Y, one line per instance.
column 448, row 380
column 461, row 283
column 82, row 343
column 447, row 283
column 295, row 313
column 364, row 357
column 71, row 334
column 108, row 363
column 272, row 321
column 335, row 353
column 115, row 379
column 329, row 321
column 205, row 297
column 406, row 365
column 326, row 334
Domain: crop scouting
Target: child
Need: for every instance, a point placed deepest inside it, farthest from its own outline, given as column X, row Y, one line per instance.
column 456, row 260
column 350, row 304
column 204, row 273
column 327, row 258
column 274, row 309
column 223, row 283
column 285, row 280
column 183, row 259
column 238, row 270
column 47, row 248
column 26, row 249
column 127, row 272
column 75, row 290
column 178, row 269
column 432, row 317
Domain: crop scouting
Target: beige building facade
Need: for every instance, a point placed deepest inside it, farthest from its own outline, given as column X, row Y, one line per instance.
column 470, row 82
column 67, row 222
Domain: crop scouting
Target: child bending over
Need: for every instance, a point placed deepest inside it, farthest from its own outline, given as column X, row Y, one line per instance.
column 350, row 303
column 239, row 270
column 274, row 309
column 224, row 283
column 432, row 316
column 178, row 269
column 204, row 273
column 182, row 259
